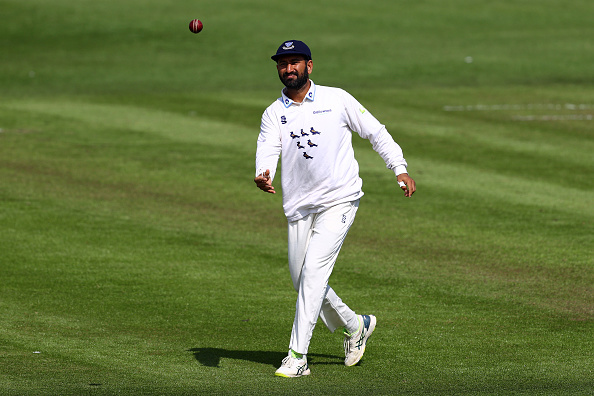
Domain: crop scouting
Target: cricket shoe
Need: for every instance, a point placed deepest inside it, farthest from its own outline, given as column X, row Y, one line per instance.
column 293, row 367
column 354, row 344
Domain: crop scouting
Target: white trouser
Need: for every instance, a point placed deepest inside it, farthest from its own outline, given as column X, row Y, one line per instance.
column 314, row 244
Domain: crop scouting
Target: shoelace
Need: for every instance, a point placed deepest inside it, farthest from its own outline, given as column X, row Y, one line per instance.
column 347, row 346
column 349, row 337
column 287, row 362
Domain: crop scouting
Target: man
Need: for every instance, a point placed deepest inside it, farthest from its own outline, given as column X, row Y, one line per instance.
column 310, row 127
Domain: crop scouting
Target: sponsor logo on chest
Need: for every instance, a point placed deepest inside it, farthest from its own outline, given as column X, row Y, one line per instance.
column 284, row 119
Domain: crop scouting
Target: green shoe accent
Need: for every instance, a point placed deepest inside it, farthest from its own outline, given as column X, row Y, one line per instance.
column 296, row 355
column 346, row 332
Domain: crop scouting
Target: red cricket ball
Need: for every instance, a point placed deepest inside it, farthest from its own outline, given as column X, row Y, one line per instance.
column 196, row 26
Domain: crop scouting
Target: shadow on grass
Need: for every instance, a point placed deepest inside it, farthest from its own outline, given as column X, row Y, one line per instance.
column 211, row 357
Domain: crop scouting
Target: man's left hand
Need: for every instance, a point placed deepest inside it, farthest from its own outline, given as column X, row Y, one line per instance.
column 409, row 184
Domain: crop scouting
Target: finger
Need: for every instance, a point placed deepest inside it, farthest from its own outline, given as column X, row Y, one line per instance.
column 411, row 189
column 404, row 188
column 264, row 184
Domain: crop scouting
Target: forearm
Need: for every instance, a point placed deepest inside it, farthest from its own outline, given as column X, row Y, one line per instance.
column 383, row 143
column 266, row 159
column 269, row 146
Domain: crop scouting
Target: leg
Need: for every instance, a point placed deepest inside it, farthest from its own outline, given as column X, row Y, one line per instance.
column 328, row 231
column 299, row 235
column 336, row 313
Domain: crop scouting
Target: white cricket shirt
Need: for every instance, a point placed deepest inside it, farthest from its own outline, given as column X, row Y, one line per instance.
column 314, row 141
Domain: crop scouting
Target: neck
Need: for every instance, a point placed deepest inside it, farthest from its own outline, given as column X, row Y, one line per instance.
column 297, row 95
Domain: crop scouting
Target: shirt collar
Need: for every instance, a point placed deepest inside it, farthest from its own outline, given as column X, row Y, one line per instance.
column 311, row 94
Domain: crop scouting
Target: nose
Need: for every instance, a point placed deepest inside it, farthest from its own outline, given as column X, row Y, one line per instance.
column 290, row 68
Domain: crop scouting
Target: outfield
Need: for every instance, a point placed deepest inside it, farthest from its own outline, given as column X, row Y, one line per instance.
column 138, row 257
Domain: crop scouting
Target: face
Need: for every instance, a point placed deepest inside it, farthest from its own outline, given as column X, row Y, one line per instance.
column 294, row 70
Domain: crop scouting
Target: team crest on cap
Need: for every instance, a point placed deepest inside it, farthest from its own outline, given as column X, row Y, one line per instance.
column 288, row 45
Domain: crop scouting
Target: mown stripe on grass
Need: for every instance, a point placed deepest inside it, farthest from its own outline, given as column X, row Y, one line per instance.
column 188, row 129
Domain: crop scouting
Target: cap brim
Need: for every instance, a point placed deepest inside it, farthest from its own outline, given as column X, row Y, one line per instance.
column 275, row 57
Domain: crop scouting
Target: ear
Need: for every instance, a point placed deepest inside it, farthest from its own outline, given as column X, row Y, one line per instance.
column 309, row 66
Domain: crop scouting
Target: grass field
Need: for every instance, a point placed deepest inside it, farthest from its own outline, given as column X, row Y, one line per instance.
column 137, row 256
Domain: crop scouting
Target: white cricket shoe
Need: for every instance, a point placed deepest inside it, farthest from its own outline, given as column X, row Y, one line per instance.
column 354, row 344
column 293, row 367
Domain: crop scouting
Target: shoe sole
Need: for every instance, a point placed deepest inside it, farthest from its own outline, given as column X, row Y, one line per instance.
column 307, row 372
column 369, row 332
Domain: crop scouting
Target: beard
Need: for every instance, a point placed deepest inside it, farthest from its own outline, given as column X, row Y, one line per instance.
column 297, row 83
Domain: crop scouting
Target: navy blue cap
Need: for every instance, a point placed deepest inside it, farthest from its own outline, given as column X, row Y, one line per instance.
column 292, row 47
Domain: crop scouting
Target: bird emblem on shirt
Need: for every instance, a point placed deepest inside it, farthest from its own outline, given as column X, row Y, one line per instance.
column 307, row 156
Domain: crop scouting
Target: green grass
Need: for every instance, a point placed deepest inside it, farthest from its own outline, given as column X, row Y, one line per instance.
column 137, row 256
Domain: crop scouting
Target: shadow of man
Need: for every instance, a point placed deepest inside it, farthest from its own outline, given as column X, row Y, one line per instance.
column 211, row 357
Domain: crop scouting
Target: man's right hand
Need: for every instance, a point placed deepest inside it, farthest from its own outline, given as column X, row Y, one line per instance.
column 264, row 182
